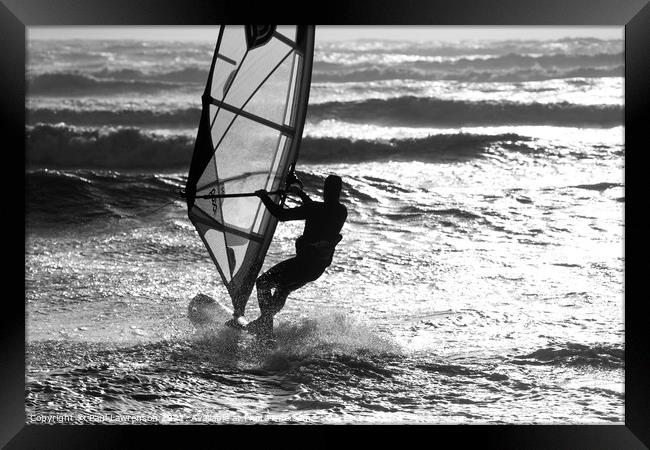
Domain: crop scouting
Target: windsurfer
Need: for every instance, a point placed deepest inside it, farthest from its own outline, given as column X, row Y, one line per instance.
column 314, row 249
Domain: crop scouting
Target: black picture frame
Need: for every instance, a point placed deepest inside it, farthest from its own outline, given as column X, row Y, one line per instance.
column 15, row 15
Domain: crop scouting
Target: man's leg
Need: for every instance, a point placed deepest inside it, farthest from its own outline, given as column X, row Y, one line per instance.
column 264, row 284
column 274, row 303
column 268, row 301
column 267, row 281
column 282, row 279
column 263, row 290
column 270, row 305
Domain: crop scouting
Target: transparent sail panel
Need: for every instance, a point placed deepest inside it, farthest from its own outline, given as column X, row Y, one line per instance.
column 271, row 99
column 229, row 57
column 256, row 67
column 216, row 242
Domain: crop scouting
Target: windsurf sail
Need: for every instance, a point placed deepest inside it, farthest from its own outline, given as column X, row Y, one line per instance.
column 249, row 134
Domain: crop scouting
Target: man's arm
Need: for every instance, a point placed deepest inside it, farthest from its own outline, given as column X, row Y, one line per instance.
column 280, row 213
column 304, row 198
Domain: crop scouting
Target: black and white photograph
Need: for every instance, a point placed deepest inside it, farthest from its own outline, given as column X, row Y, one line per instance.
column 279, row 224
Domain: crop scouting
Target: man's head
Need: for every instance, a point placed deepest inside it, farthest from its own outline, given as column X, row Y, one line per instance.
column 332, row 189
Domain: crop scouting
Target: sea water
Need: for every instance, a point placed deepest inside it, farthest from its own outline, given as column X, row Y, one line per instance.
column 480, row 275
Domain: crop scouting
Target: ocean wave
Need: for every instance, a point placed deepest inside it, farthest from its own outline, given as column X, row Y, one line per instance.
column 508, row 74
column 188, row 117
column 60, row 146
column 78, row 84
column 350, row 68
column 500, row 62
column 416, row 111
column 401, row 111
column 413, row 212
column 56, row 146
column 185, row 75
column 571, row 354
column 109, row 52
column 455, row 212
column 82, row 196
column 569, row 46
column 444, row 147
column 601, row 187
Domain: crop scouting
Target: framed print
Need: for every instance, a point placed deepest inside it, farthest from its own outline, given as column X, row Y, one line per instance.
column 417, row 216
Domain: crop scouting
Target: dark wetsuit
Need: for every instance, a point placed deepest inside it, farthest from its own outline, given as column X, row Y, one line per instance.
column 314, row 250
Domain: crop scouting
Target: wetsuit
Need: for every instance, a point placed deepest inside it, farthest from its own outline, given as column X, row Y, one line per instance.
column 314, row 250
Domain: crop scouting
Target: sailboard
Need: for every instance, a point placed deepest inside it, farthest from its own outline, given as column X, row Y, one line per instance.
column 253, row 113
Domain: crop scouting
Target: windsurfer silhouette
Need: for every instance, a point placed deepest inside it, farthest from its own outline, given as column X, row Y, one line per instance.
column 314, row 250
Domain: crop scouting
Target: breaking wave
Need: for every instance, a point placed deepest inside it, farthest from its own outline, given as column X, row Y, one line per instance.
column 401, row 111
column 568, row 46
column 416, row 111
column 60, row 146
column 185, row 75
column 54, row 196
column 77, row 84
column 511, row 74
column 130, row 80
column 188, row 117
column 433, row 148
column 57, row 146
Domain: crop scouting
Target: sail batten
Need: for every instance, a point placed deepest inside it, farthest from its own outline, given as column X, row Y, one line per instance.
column 248, row 138
column 282, row 128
